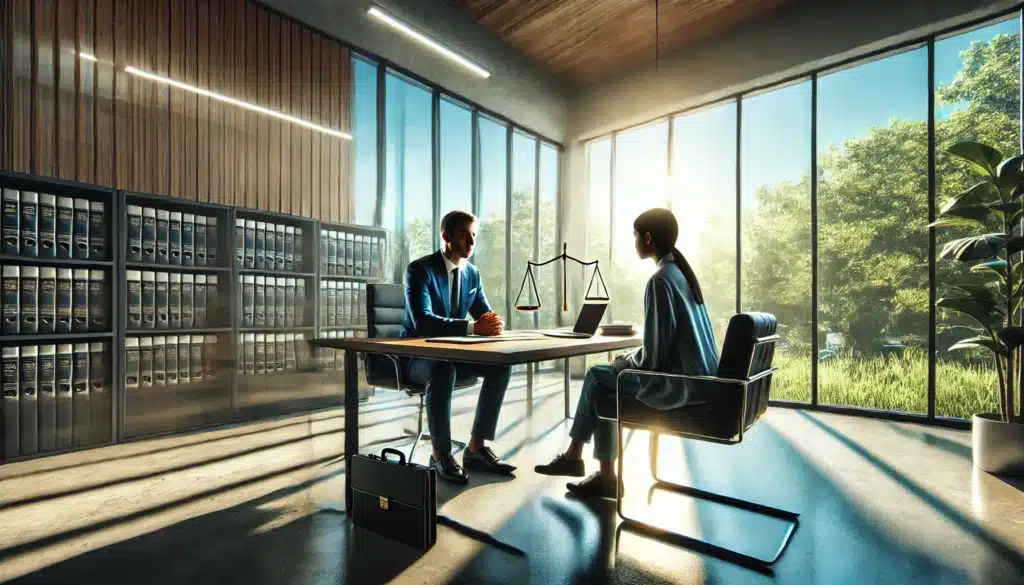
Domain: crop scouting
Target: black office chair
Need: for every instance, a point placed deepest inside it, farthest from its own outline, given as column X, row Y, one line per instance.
column 385, row 310
column 740, row 398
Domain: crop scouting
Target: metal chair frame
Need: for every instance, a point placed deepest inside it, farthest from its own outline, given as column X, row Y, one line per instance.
column 727, row 384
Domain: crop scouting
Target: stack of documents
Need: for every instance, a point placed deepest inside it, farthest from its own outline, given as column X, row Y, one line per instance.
column 618, row 329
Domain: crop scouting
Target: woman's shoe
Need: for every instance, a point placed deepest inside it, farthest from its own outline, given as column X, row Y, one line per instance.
column 562, row 466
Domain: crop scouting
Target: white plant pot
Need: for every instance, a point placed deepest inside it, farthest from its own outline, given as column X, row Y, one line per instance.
column 998, row 446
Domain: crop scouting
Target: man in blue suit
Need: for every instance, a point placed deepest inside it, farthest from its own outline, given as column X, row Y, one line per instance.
column 444, row 297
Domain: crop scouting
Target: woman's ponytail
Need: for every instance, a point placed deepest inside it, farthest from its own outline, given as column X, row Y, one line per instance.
column 691, row 277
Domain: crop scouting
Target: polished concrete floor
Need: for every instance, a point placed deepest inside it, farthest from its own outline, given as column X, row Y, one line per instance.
column 880, row 502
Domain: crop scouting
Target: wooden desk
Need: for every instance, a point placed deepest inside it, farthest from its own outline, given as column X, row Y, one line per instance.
column 505, row 353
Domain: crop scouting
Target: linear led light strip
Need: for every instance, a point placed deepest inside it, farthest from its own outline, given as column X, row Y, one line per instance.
column 408, row 30
column 228, row 100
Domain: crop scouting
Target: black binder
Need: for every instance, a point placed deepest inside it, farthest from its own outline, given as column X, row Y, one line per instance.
column 270, row 300
column 348, row 251
column 289, row 248
column 280, row 298
column 250, row 243
column 148, row 300
column 210, row 357
column 299, row 251
column 65, row 226
column 11, row 299
column 260, row 354
column 200, row 240
column 81, row 229
column 29, row 224
column 199, row 301
column 366, row 255
column 196, row 359
column 188, row 239
column 163, row 317
column 174, row 301
column 97, row 300
column 163, row 236
column 358, row 256
column 47, row 385
column 300, row 303
column 184, row 371
column 97, row 230
column 187, row 292
column 148, row 234
column 212, row 242
column 47, row 300
column 279, row 352
column 259, row 255
column 332, row 303
column 134, row 409
column 146, row 370
column 29, row 407
column 159, row 361
column 289, row 302
column 82, row 411
column 269, row 245
column 99, row 395
column 65, row 395
column 345, row 310
column 174, row 238
column 29, row 299
column 289, row 352
column 323, row 303
column 213, row 308
column 259, row 303
column 171, row 357
column 134, row 281
column 11, row 402
column 325, row 247
column 279, row 241
column 134, row 251
column 47, row 226
column 248, row 299
column 240, row 242
column 250, row 353
column 11, row 221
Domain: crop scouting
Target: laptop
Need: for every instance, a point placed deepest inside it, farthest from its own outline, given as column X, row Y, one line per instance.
column 586, row 324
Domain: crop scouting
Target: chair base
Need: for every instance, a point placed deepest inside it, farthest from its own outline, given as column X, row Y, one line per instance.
column 457, row 446
column 707, row 547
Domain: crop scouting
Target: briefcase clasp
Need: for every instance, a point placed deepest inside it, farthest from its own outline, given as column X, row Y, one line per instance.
column 385, row 504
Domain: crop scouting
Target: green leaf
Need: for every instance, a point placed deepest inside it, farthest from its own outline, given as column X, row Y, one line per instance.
column 1017, row 191
column 989, row 294
column 1013, row 337
column 954, row 222
column 974, row 247
column 1015, row 245
column 997, row 266
column 977, row 213
column 981, row 157
column 1009, row 210
column 1008, row 172
column 979, row 341
column 977, row 193
column 988, row 317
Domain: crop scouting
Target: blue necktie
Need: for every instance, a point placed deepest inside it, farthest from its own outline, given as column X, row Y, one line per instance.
column 456, row 300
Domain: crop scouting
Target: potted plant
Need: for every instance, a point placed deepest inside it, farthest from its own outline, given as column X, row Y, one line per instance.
column 996, row 305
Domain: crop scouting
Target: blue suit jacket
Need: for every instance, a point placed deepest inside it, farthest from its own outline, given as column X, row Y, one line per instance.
column 427, row 305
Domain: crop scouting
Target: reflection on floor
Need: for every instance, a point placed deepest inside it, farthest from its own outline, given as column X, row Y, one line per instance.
column 880, row 502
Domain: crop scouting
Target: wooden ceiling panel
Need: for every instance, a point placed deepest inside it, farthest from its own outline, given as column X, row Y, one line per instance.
column 588, row 40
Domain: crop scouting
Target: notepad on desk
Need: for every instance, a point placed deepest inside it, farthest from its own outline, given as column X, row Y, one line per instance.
column 473, row 339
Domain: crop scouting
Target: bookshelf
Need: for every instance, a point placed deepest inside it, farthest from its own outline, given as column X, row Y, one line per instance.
column 58, row 342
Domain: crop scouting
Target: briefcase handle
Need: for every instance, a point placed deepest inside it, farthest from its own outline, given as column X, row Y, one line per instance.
column 389, row 451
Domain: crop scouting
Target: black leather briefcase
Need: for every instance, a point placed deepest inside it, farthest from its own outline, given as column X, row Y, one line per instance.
column 394, row 498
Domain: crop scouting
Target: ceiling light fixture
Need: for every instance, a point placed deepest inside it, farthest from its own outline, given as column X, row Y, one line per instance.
column 234, row 102
column 411, row 32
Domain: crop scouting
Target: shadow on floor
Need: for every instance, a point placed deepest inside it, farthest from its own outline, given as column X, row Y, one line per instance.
column 928, row 438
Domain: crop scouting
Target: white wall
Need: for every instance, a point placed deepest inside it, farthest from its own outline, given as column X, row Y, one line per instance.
column 518, row 89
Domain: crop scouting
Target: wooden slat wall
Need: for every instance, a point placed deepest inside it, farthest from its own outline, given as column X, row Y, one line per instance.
column 72, row 118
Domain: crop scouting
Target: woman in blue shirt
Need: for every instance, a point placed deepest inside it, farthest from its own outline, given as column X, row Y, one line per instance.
column 677, row 338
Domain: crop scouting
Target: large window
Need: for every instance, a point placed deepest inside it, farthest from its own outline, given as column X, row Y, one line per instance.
column 490, row 247
column 364, row 140
column 862, row 217
column 977, row 98
column 702, row 192
column 409, row 182
column 872, row 234
column 776, row 226
column 549, row 281
column 456, row 134
column 640, row 183
column 524, row 198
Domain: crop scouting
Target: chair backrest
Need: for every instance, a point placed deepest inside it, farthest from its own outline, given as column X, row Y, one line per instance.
column 743, row 357
column 385, row 310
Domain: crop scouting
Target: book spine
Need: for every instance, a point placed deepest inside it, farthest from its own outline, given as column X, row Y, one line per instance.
column 174, row 301
column 184, row 353
column 11, row 402
column 323, row 303
column 289, row 302
column 29, row 223
column 210, row 357
column 81, row 402
column 350, row 250
column 159, row 361
column 163, row 236
column 99, row 420
column 332, row 306
column 213, row 301
column 270, row 299
column 29, row 299
column 97, row 230
column 66, row 227
column 11, row 300
column 188, row 239
column 260, row 246
column 248, row 300
column 47, row 225
column 187, row 292
column 250, row 243
column 171, row 359
column 260, row 354
column 200, row 240
column 279, row 247
column 65, row 395
column 280, row 298
column 259, row 303
column 366, row 256
column 47, row 397
column 289, row 248
column 299, row 251
column 196, row 359
column 148, row 234
column 134, row 233
column 269, row 244
column 250, row 353
column 146, row 362
column 29, row 407
column 174, row 238
column 300, row 303
column 11, row 221
column 97, row 300
column 81, row 229
column 199, row 301
column 358, row 255
column 240, row 242
column 163, row 300
column 148, row 300
column 240, row 355
column 65, row 299
column 212, row 242
column 289, row 352
column 47, row 300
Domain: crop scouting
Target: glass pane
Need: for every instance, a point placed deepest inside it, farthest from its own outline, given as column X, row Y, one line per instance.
column 703, row 199
column 409, row 182
column 524, row 177
column 490, row 246
column 776, row 218
column 977, row 98
column 549, row 281
column 364, row 140
column 456, row 134
column 641, row 182
column 598, row 230
column 873, row 234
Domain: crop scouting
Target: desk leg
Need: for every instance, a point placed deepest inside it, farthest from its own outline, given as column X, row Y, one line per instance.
column 565, row 366
column 351, row 420
column 529, row 389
